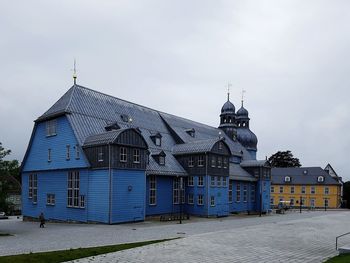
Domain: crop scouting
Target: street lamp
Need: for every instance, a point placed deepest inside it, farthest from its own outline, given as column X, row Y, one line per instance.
column 181, row 197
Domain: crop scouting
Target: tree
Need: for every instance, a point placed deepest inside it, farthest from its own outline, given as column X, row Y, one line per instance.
column 9, row 178
column 284, row 159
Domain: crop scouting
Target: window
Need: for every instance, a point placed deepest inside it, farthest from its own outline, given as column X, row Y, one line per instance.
column 238, row 193
column 77, row 152
column 212, row 200
column 190, row 181
column 281, row 199
column 326, row 190
column 212, row 180
column 272, row 201
column 292, row 201
column 230, row 188
column 312, row 190
column 320, row 179
column 73, row 194
column 225, row 163
column 51, row 127
column 200, row 181
column 158, row 141
column 49, row 155
column 252, row 193
column 190, row 199
column 200, row 161
column 312, row 203
column 200, row 200
column 219, row 181
column 176, row 191
column 136, row 155
column 224, row 181
column 272, row 189
column 33, row 188
column 326, row 202
column 100, row 154
column 50, row 199
column 245, row 193
column 220, row 145
column 286, row 179
column 213, row 161
column 303, row 189
column 219, row 162
column 152, row 190
column 182, row 191
column 292, row 189
column 162, row 160
column 123, row 155
column 281, row 189
column 191, row 161
column 82, row 201
column 67, row 152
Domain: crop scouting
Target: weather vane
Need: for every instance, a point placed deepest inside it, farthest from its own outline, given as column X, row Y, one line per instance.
column 243, row 91
column 229, row 85
column 75, row 73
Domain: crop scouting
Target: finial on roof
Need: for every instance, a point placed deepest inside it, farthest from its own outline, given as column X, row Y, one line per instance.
column 75, row 73
column 228, row 91
column 243, row 91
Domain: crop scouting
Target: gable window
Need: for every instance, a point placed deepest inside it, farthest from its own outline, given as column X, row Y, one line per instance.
column 136, row 156
column 152, row 190
column 213, row 161
column 326, row 190
column 200, row 200
column 33, row 188
column 224, row 181
column 162, row 160
column 190, row 199
column 219, row 162
column 100, row 154
column 176, row 190
column 220, row 145
column 252, row 193
column 303, row 189
column 292, row 189
column 190, row 180
column 51, row 127
column 77, row 152
column 312, row 190
column 230, row 189
column 74, row 198
column 212, row 180
column 67, row 152
column 191, row 161
column 245, row 193
column 200, row 181
column 238, row 193
column 123, row 155
column 200, row 161
column 49, row 155
column 225, row 163
column 50, row 199
column 212, row 200
column 219, row 181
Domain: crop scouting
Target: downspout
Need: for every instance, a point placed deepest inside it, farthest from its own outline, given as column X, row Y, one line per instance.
column 110, row 185
column 207, row 184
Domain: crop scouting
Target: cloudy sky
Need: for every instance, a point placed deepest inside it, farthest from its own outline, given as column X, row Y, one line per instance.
column 291, row 57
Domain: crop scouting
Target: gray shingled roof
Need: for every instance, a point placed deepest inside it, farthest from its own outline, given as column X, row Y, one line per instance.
column 89, row 112
column 103, row 138
column 254, row 163
column 239, row 174
column 299, row 176
column 200, row 146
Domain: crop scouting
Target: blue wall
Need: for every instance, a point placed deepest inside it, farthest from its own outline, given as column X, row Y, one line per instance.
column 220, row 193
column 265, row 186
column 53, row 182
column 242, row 206
column 37, row 157
column 195, row 209
column 128, row 195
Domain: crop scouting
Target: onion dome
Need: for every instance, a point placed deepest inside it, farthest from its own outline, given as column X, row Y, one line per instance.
column 242, row 112
column 247, row 138
column 228, row 105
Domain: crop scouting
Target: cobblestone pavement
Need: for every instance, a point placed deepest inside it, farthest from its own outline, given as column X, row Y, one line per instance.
column 295, row 240
column 294, row 237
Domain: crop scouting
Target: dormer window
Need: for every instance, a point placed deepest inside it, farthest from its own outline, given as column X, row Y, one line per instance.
column 320, row 179
column 287, row 179
column 162, row 160
column 159, row 157
column 191, row 132
column 157, row 139
column 125, row 118
column 51, row 127
column 112, row 126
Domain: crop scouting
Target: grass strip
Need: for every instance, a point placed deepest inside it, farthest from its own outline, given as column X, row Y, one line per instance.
column 71, row 254
column 343, row 258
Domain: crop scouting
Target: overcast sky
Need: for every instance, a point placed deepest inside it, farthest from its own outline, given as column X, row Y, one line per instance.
column 291, row 57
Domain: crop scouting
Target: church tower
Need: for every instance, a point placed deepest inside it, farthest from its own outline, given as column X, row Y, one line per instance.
column 228, row 119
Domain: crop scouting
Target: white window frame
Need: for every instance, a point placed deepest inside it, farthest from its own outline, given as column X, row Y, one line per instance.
column 303, row 189
column 50, row 199
column 200, row 161
column 225, row 161
column 230, row 191
column 190, row 181
column 136, row 155
column 292, row 189
column 51, row 128
column 67, row 152
column 77, row 152
column 49, row 153
column 218, row 181
column 213, row 161
column 320, row 179
column 100, row 154
column 190, row 199
column 157, row 141
column 123, row 154
column 212, row 200
column 326, row 190
column 200, row 181
column 152, row 190
column 200, row 199
column 312, row 190
column 73, row 190
column 245, row 193
column 219, row 162
column 82, row 201
column 252, row 193
column 281, row 190
column 286, row 178
column 224, row 181
column 33, row 188
column 272, row 189
column 162, row 160
column 176, row 191
column 238, row 193
column 212, row 181
column 191, row 161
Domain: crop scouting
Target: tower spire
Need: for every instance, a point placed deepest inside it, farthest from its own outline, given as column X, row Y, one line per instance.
column 243, row 91
column 229, row 85
column 75, row 73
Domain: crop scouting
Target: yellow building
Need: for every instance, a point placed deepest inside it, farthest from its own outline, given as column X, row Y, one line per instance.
column 313, row 185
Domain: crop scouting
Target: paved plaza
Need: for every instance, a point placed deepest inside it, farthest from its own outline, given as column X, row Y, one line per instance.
column 293, row 237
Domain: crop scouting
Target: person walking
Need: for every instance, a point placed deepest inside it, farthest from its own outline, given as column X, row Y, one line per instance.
column 42, row 220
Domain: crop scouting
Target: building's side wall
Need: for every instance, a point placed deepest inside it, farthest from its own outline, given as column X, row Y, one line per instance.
column 220, row 195
column 37, row 155
column 239, row 205
column 128, row 195
column 319, row 196
column 263, row 191
column 195, row 190
column 53, row 182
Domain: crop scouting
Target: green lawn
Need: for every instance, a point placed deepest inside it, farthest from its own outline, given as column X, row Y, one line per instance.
column 71, row 254
column 344, row 258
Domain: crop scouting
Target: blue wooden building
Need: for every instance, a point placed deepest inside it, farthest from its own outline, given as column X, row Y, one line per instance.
column 96, row 158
